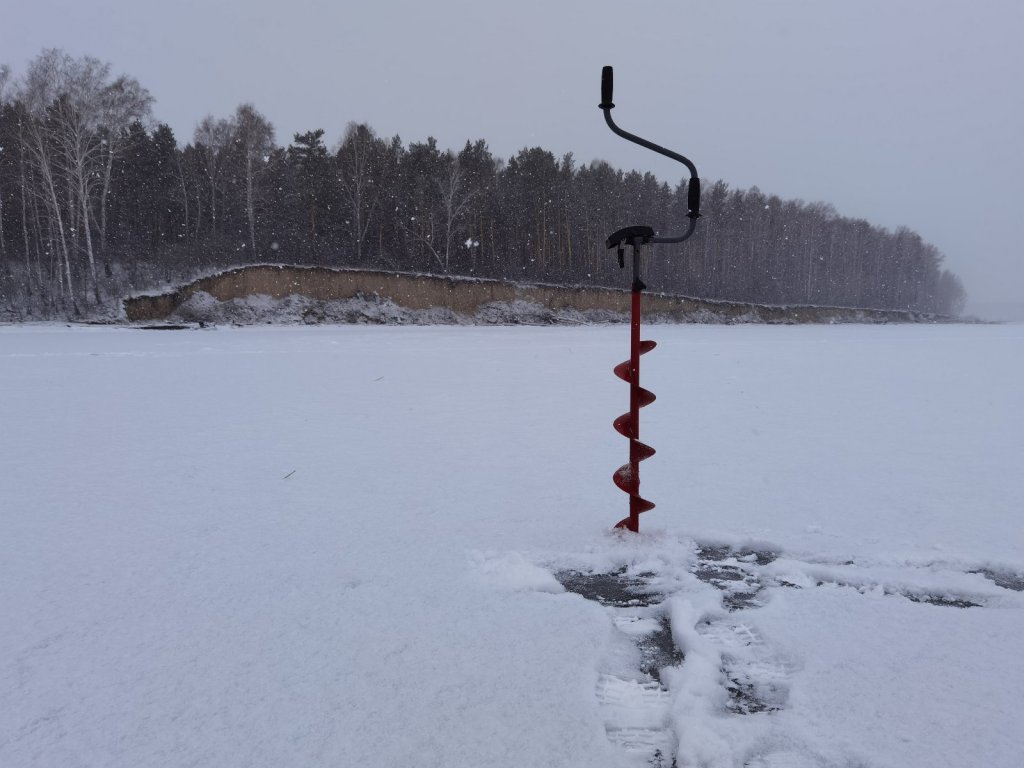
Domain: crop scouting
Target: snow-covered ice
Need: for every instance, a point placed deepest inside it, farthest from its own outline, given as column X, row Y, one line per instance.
column 340, row 546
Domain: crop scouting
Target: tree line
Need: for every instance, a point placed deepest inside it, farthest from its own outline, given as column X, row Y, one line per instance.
column 98, row 199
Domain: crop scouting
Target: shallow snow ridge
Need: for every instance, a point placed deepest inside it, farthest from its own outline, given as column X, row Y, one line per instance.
column 311, row 295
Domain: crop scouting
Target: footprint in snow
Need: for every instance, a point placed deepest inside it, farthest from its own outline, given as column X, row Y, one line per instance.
column 634, row 704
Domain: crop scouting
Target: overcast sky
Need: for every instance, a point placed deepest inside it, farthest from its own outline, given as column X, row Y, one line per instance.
column 903, row 112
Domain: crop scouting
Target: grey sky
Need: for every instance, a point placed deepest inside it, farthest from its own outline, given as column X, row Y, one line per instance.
column 884, row 108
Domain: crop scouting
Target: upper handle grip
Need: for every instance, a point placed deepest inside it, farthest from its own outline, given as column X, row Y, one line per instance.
column 606, row 88
column 693, row 198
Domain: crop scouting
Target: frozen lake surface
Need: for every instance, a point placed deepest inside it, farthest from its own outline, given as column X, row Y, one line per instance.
column 343, row 546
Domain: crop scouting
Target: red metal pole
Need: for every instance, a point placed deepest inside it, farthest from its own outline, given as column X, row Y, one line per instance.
column 627, row 477
column 634, row 407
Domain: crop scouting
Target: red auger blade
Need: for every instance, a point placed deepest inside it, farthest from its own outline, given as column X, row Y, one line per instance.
column 640, row 505
column 622, row 369
column 624, row 423
column 643, row 451
column 626, row 479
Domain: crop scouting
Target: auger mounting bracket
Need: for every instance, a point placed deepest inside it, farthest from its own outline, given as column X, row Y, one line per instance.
column 635, row 236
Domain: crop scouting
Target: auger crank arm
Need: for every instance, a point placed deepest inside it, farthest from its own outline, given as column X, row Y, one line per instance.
column 693, row 188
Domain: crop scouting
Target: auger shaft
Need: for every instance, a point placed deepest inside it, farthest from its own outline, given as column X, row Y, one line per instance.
column 627, row 477
column 634, row 403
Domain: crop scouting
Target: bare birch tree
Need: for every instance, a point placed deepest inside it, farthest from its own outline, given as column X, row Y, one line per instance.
column 255, row 137
column 454, row 200
column 214, row 136
column 356, row 170
column 38, row 92
column 123, row 102
column 77, row 116
column 74, row 116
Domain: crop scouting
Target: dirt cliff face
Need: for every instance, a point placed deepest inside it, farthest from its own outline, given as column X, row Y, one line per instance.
column 466, row 296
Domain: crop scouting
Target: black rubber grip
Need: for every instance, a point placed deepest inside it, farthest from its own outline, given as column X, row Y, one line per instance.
column 693, row 198
column 606, row 88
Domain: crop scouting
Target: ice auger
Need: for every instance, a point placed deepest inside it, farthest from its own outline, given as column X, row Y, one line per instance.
column 627, row 477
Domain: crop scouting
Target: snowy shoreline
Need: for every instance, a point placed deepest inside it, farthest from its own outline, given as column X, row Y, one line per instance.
column 287, row 293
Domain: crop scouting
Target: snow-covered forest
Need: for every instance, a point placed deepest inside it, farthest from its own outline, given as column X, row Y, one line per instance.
column 99, row 198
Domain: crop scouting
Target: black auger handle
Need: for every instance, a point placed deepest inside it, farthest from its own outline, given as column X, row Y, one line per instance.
column 693, row 189
column 606, row 88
